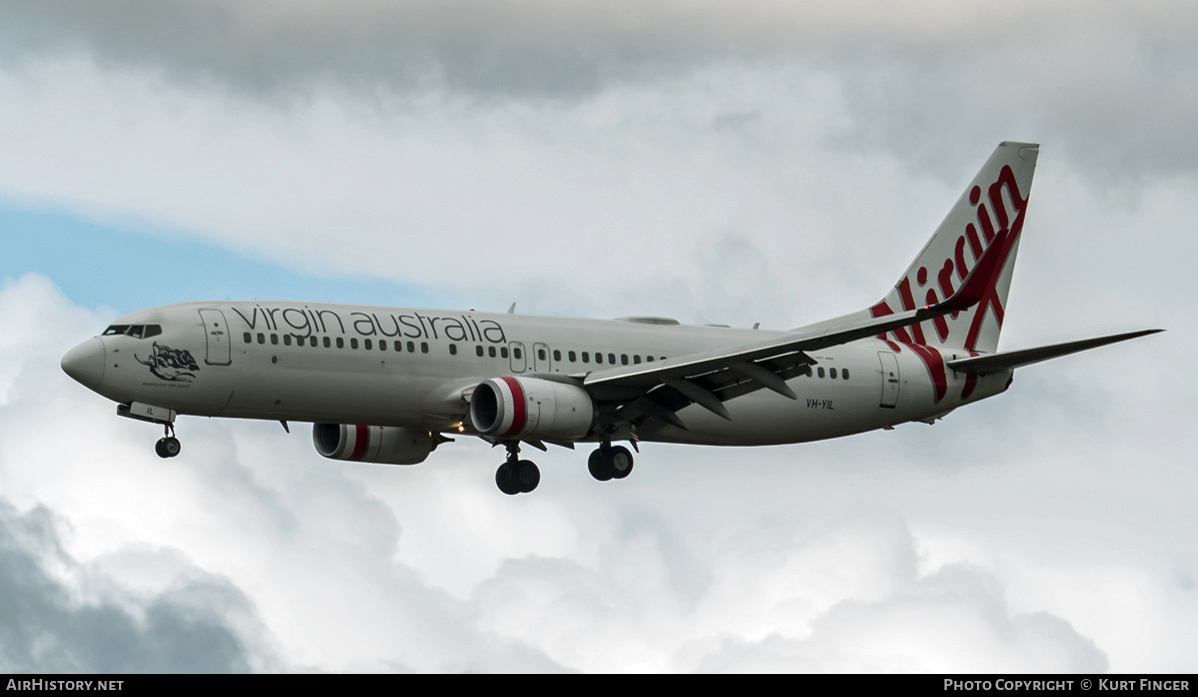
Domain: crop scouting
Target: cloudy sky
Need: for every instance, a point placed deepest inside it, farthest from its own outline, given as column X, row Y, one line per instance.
column 712, row 161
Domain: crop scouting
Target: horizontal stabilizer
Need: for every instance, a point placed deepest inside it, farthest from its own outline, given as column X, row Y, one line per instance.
column 1015, row 359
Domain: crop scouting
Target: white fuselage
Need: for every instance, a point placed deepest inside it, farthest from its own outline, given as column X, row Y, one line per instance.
column 382, row 366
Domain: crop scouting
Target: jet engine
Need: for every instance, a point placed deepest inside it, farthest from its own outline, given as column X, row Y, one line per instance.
column 385, row 445
column 515, row 408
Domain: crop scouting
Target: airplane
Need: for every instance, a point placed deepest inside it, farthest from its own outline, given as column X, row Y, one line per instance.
column 390, row 385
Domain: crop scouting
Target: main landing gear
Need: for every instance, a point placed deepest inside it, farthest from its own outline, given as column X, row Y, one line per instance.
column 168, row 446
column 608, row 463
column 517, row 476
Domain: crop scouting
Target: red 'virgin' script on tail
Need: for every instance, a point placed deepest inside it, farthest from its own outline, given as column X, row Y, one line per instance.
column 973, row 242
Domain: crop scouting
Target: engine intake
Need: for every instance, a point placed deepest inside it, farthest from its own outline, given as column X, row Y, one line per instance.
column 514, row 408
column 384, row 445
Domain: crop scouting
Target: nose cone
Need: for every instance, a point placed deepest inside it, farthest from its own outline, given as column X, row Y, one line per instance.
column 85, row 363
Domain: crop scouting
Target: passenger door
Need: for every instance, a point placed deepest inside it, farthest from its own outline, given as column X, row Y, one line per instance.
column 217, row 336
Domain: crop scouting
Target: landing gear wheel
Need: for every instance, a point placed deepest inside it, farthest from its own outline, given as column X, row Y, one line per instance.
column 517, row 476
column 167, row 447
column 607, row 463
column 526, row 475
column 600, row 466
column 621, row 462
column 505, row 481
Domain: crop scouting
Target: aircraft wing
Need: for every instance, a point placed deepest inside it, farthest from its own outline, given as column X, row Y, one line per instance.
column 1014, row 359
column 658, row 390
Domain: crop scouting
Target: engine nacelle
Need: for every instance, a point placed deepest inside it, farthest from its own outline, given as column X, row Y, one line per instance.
column 513, row 408
column 385, row 445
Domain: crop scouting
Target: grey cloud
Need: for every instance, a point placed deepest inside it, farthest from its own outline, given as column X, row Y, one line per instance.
column 1107, row 86
column 1110, row 82
column 484, row 47
column 44, row 627
column 544, row 47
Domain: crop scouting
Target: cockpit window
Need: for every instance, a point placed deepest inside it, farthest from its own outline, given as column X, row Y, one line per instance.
column 137, row 331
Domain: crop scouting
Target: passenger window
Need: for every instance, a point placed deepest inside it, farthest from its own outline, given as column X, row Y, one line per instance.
column 623, row 359
column 453, row 349
column 340, row 342
column 832, row 373
column 286, row 339
column 503, row 351
column 820, row 372
column 649, row 359
column 274, row 339
column 367, row 345
column 845, row 373
column 411, row 347
column 636, row 360
column 557, row 355
column 353, row 343
column 382, row 344
column 491, row 351
column 261, row 338
column 586, row 357
column 478, row 350
column 572, row 356
column 598, row 357
column 398, row 345
column 249, row 338
column 611, row 358
column 327, row 343
column 517, row 353
column 424, row 347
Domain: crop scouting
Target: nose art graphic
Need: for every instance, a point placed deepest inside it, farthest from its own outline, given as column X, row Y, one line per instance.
column 85, row 363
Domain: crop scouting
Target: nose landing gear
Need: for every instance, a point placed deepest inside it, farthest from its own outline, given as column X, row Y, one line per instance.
column 168, row 446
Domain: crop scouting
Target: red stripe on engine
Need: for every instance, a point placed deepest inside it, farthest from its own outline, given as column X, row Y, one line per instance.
column 519, row 413
column 362, row 440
